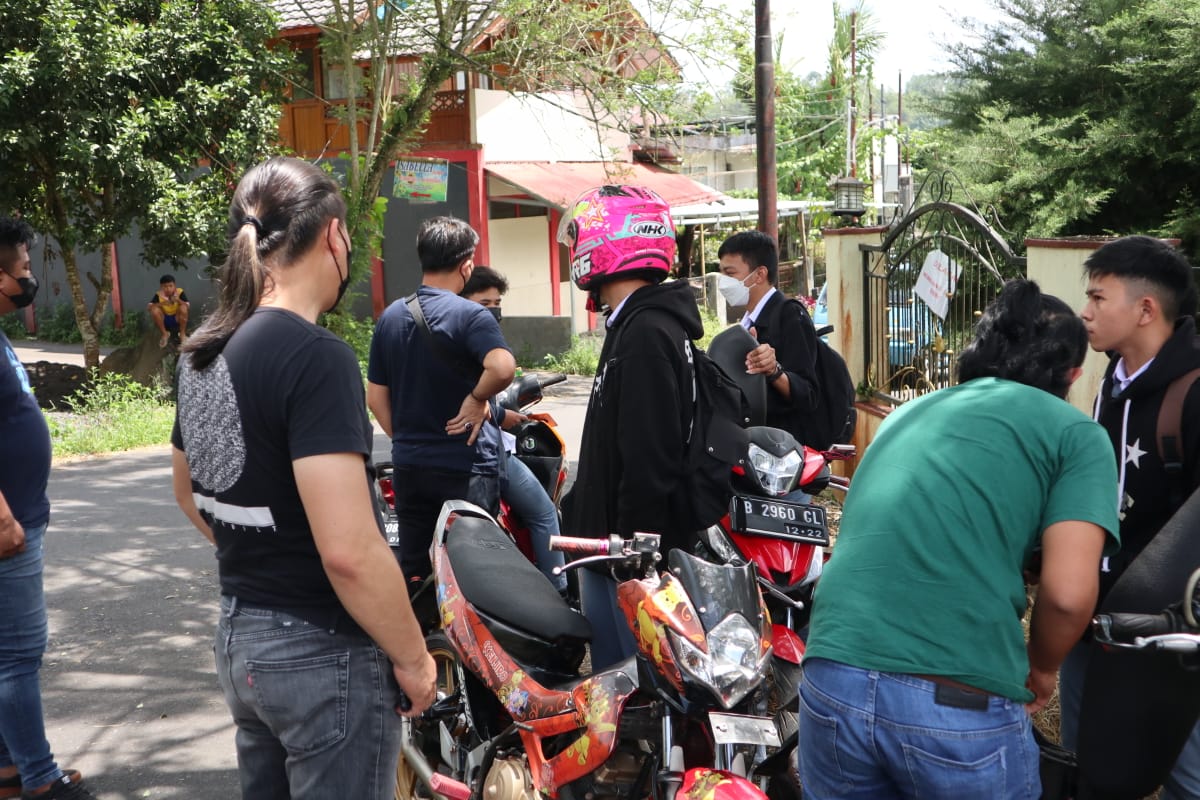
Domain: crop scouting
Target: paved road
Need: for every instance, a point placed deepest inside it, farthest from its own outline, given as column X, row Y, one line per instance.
column 130, row 692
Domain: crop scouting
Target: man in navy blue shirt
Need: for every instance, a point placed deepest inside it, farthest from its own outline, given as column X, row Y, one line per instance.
column 429, row 390
column 26, row 763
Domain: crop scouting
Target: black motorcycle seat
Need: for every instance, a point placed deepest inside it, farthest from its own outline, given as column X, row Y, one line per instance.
column 497, row 579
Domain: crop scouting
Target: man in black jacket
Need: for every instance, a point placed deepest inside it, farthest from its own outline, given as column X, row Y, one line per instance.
column 631, row 460
column 788, row 350
column 1141, row 298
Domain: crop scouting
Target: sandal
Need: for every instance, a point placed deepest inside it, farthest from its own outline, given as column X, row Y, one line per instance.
column 10, row 787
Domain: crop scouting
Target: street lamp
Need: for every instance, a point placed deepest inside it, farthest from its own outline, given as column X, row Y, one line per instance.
column 848, row 197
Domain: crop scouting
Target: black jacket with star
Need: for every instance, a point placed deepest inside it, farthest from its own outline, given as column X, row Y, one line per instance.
column 631, row 458
column 1131, row 419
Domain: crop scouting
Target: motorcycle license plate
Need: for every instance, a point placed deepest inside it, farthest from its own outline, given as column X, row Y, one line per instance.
column 743, row 729
column 779, row 519
column 391, row 529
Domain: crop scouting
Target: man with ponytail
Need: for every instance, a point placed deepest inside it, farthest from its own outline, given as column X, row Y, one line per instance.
column 271, row 463
column 918, row 680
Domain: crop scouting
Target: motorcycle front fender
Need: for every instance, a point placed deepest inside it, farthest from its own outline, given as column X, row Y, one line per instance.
column 702, row 783
column 787, row 643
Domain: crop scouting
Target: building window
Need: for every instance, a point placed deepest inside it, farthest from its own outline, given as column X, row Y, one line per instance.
column 305, row 86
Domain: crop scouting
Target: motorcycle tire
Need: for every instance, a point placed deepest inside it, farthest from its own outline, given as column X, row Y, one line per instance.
column 408, row 785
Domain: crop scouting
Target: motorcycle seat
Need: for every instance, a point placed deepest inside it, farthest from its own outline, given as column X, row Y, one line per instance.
column 497, row 579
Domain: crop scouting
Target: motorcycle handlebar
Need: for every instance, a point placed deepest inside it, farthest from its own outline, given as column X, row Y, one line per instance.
column 1125, row 627
column 556, row 378
column 580, row 546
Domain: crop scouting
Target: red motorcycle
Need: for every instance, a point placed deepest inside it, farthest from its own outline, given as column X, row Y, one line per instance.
column 539, row 446
column 515, row 717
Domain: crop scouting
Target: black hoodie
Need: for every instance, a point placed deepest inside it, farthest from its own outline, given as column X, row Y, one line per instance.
column 631, row 459
column 1131, row 419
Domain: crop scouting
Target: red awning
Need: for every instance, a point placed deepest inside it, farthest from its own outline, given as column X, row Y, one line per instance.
column 561, row 182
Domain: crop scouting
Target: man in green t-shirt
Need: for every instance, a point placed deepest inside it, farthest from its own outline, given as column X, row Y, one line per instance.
column 918, row 679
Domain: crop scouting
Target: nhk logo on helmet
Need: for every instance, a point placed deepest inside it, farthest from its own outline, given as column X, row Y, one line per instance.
column 651, row 228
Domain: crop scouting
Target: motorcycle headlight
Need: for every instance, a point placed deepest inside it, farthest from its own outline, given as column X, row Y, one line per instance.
column 776, row 474
column 731, row 668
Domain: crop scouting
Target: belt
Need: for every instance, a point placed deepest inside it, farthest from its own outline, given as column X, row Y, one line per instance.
column 949, row 692
column 334, row 619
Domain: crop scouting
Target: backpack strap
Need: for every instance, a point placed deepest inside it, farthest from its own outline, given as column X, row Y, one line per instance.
column 1169, row 432
column 466, row 368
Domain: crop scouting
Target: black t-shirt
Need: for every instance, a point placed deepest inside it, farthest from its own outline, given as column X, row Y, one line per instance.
column 24, row 443
column 282, row 389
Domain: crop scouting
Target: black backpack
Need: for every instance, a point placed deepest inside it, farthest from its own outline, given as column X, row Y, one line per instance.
column 717, row 441
column 834, row 419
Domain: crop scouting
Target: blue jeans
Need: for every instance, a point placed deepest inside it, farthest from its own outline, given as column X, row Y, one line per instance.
column 23, row 636
column 612, row 640
column 520, row 489
column 1184, row 781
column 878, row 735
column 314, row 705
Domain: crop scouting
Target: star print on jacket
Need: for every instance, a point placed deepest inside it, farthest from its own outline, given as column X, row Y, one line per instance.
column 1134, row 453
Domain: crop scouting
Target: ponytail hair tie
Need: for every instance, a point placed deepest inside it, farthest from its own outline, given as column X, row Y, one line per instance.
column 250, row 219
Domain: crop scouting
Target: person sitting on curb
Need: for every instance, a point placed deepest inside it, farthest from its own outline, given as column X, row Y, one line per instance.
column 169, row 310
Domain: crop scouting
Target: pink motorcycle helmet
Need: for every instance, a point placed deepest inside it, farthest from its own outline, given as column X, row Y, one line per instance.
column 615, row 231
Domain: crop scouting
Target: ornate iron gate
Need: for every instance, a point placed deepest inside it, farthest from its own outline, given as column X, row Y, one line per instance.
column 941, row 264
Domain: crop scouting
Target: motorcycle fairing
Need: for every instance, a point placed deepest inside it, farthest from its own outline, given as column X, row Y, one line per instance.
column 652, row 606
column 782, row 562
column 592, row 706
column 701, row 783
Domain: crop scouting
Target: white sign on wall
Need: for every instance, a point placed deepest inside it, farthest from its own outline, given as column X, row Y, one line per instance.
column 935, row 284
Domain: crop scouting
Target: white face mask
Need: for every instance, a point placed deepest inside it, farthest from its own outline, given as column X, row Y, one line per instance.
column 735, row 292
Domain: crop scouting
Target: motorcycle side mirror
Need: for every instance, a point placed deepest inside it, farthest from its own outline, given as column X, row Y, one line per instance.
column 524, row 391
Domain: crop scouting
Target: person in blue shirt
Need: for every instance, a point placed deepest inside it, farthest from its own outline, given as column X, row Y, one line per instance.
column 519, row 487
column 26, row 763
column 429, row 389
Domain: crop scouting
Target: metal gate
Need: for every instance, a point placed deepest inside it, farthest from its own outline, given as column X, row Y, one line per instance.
column 941, row 264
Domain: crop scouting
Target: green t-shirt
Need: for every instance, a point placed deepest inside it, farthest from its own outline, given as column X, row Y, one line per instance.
column 950, row 500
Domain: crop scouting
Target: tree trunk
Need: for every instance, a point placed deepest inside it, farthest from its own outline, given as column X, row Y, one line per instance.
column 687, row 241
column 91, row 336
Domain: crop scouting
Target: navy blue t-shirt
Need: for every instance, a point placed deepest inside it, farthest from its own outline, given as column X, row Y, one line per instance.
column 426, row 391
column 282, row 389
column 24, row 443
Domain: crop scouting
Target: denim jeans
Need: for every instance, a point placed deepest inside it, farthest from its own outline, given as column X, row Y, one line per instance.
column 313, row 705
column 521, row 490
column 420, row 494
column 23, row 636
column 612, row 640
column 1184, row 781
column 878, row 735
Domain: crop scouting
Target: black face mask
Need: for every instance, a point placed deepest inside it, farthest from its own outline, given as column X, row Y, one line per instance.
column 495, row 312
column 29, row 288
column 345, row 282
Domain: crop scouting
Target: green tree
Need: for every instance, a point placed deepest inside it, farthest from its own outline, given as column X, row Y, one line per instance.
column 616, row 57
column 124, row 113
column 1104, row 93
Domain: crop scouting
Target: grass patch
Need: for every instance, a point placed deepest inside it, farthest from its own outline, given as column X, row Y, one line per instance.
column 583, row 357
column 111, row 413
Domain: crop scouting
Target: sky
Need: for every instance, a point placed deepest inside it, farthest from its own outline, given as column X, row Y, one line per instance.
column 914, row 32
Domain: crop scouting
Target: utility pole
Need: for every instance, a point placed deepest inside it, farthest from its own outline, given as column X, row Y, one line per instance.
column 764, row 116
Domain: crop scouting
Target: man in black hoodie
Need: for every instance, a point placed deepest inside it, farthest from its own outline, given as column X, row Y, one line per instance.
column 631, row 461
column 1141, row 298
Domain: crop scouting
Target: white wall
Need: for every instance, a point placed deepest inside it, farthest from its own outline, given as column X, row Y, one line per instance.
column 519, row 250
column 548, row 127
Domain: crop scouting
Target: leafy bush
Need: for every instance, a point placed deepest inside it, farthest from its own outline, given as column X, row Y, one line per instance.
column 112, row 412
column 57, row 324
column 13, row 326
column 356, row 331
column 583, row 357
